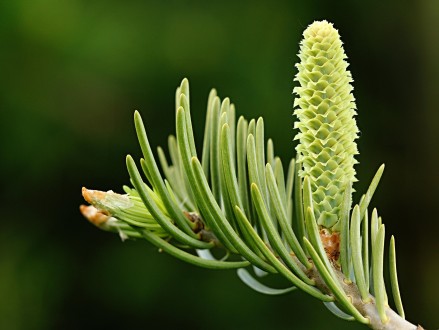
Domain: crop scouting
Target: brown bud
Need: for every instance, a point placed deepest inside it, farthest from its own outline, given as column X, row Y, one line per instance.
column 92, row 214
column 331, row 243
column 91, row 196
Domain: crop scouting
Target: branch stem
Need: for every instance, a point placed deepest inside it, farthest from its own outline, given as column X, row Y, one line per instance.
column 367, row 309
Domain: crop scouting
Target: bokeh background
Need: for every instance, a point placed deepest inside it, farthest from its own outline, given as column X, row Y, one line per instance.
column 72, row 73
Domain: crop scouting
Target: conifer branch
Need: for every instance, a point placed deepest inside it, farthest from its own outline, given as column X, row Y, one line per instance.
column 235, row 198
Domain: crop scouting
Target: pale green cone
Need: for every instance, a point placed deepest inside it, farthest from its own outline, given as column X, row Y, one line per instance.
column 325, row 108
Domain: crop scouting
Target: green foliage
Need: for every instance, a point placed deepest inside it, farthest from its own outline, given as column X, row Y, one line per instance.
column 236, row 198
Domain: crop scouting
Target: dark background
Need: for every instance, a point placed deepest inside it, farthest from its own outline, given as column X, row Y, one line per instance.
column 73, row 72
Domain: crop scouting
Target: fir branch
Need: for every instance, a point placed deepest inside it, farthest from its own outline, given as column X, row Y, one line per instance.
column 235, row 197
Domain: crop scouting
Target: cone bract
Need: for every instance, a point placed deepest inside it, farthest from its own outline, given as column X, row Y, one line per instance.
column 325, row 108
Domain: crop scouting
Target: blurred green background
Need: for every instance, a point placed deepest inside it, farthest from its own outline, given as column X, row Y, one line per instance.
column 72, row 73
